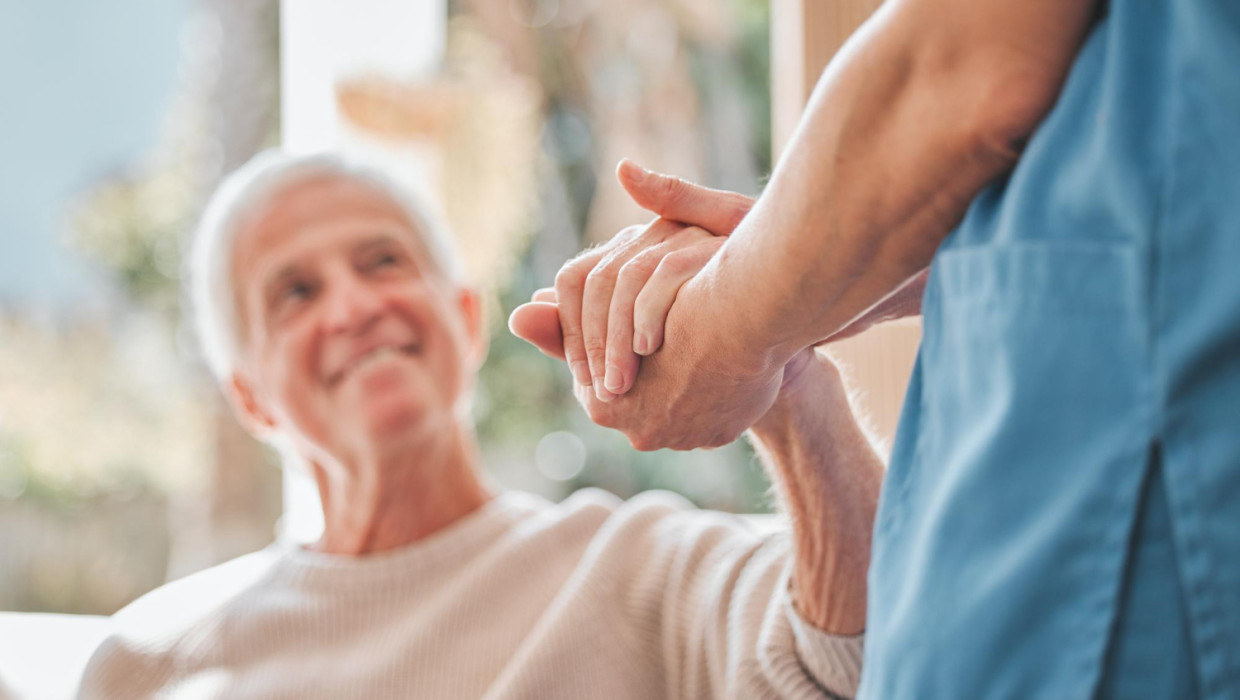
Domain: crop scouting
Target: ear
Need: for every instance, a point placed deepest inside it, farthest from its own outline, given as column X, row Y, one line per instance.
column 474, row 314
column 246, row 406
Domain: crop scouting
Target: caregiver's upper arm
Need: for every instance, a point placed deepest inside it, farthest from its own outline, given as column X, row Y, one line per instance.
column 1017, row 52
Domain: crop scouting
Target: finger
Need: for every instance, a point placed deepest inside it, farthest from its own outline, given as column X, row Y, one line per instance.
column 569, row 286
column 546, row 294
column 622, row 358
column 538, row 323
column 717, row 211
column 594, row 304
column 656, row 298
column 596, row 299
column 624, row 347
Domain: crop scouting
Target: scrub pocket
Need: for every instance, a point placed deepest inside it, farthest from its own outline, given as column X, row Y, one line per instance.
column 1032, row 437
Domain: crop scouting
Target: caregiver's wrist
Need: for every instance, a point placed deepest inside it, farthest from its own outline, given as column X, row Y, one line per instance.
column 748, row 315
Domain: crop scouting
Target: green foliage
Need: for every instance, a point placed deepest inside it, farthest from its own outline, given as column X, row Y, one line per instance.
column 132, row 224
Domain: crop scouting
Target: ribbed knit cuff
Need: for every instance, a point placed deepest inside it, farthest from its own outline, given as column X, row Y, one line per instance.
column 833, row 660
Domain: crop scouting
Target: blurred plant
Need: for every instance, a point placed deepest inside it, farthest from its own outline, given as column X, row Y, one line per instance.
column 82, row 414
column 133, row 224
column 85, row 539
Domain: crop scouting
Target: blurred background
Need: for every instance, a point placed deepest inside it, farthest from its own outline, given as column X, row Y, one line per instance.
column 120, row 467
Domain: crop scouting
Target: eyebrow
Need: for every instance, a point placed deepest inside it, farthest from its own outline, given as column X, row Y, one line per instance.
column 414, row 252
column 286, row 272
column 377, row 241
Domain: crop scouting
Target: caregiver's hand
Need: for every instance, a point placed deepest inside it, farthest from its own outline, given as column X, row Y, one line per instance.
column 644, row 292
column 613, row 299
column 704, row 387
column 699, row 390
column 643, row 281
column 720, row 212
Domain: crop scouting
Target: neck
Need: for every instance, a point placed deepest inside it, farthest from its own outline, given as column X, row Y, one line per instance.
column 385, row 502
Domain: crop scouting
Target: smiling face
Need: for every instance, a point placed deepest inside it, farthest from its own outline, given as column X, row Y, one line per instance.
column 354, row 344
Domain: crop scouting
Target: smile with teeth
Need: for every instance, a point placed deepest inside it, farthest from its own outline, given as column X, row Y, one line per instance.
column 377, row 356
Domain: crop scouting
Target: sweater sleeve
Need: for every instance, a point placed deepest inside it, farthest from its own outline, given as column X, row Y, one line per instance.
column 712, row 598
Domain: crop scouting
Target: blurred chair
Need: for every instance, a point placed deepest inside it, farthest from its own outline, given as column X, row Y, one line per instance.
column 42, row 656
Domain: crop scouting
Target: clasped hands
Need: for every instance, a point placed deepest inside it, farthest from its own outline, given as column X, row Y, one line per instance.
column 645, row 303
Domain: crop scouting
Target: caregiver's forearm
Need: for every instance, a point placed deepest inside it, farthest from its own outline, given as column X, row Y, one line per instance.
column 827, row 476
column 925, row 105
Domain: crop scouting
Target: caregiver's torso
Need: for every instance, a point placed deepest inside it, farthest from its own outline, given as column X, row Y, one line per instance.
column 1086, row 310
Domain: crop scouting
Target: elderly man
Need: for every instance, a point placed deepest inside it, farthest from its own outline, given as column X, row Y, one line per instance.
column 333, row 313
column 1061, row 514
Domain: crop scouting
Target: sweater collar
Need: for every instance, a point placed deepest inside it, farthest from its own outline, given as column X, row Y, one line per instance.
column 425, row 559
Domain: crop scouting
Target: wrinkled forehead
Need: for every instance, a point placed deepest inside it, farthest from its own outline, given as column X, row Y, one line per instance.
column 287, row 215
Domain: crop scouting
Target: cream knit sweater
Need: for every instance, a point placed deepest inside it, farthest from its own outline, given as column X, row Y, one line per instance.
column 591, row 598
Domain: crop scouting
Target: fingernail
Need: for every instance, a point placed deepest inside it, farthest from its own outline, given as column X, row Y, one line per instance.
column 581, row 372
column 614, row 380
column 641, row 344
column 601, row 392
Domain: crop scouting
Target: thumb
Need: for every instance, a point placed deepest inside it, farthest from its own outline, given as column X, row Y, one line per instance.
column 538, row 323
column 672, row 198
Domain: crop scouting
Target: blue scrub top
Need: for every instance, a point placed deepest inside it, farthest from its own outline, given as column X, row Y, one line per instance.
column 1061, row 517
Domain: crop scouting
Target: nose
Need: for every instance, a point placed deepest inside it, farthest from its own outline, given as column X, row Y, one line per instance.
column 351, row 305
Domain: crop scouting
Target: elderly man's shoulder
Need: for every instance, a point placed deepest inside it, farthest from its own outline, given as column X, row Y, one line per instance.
column 170, row 611
column 149, row 635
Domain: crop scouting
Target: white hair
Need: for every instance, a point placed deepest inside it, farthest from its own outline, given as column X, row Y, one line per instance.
column 249, row 190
